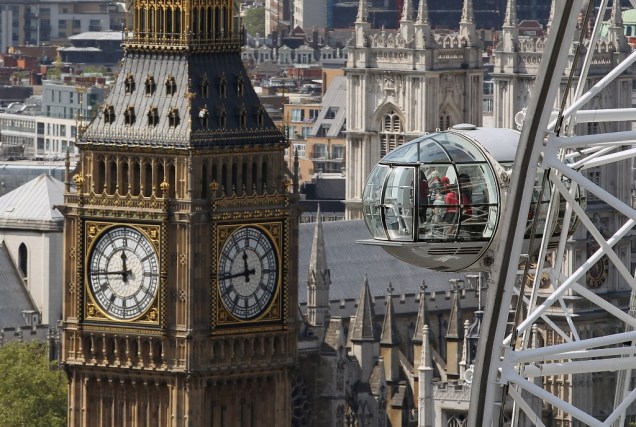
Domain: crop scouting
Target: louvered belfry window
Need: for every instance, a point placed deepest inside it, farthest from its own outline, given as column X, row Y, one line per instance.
column 391, row 133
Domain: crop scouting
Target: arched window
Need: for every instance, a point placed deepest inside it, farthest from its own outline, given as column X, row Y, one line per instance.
column 23, row 256
column 391, row 133
column 205, row 86
column 444, row 120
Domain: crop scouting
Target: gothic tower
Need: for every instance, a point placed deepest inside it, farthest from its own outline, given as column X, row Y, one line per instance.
column 318, row 279
column 403, row 83
column 180, row 291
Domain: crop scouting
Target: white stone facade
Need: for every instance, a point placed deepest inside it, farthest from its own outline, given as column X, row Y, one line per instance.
column 403, row 83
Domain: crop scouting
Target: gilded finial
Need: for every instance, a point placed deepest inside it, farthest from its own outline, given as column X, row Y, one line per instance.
column 164, row 186
column 287, row 182
column 214, row 186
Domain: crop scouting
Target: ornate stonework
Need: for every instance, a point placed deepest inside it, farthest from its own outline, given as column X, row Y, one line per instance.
column 411, row 73
column 181, row 151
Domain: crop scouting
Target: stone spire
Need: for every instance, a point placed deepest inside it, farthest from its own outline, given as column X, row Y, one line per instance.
column 407, row 11
column 550, row 17
column 454, row 334
column 467, row 24
column 464, row 361
column 423, row 34
column 422, row 13
column 318, row 279
column 389, row 333
column 420, row 322
column 510, row 32
column 425, row 383
column 362, row 328
column 361, row 26
column 406, row 22
column 363, row 12
column 510, row 20
column 390, row 340
column 615, row 30
column 362, row 332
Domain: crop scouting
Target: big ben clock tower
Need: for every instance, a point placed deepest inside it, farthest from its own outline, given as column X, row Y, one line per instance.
column 179, row 297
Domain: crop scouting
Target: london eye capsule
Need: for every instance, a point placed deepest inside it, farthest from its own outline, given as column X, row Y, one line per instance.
column 436, row 201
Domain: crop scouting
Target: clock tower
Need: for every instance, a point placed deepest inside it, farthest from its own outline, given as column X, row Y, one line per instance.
column 180, row 289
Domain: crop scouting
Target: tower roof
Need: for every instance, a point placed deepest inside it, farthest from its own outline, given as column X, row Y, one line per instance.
column 179, row 101
column 362, row 328
column 31, row 205
column 318, row 260
column 455, row 326
column 389, row 330
column 421, row 320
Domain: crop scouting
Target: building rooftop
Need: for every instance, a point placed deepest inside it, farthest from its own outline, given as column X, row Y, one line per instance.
column 33, row 203
column 98, row 35
column 349, row 262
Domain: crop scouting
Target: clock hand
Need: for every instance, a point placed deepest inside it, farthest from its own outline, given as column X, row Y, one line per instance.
column 96, row 273
column 246, row 272
column 125, row 272
column 233, row 275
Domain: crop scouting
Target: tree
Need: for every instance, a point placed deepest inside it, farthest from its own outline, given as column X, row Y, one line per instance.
column 32, row 389
column 254, row 21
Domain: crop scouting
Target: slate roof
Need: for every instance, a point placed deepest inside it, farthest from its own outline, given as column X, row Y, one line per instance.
column 14, row 296
column 349, row 262
column 31, row 205
column 189, row 71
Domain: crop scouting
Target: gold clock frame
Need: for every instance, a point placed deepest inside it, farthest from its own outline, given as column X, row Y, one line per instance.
column 91, row 311
column 274, row 313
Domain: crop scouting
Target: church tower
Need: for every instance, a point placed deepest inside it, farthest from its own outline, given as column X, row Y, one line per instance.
column 318, row 279
column 404, row 82
column 180, row 289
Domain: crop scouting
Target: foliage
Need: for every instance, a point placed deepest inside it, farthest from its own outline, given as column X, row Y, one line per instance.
column 32, row 390
column 254, row 21
column 91, row 69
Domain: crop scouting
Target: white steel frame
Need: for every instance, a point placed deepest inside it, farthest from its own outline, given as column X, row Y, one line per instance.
column 506, row 373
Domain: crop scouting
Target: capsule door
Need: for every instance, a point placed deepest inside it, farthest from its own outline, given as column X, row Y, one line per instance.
column 390, row 198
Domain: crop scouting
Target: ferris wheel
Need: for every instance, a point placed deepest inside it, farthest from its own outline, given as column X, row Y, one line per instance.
column 514, row 205
column 519, row 369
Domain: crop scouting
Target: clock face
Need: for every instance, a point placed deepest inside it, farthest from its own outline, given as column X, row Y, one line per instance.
column 597, row 274
column 248, row 272
column 123, row 273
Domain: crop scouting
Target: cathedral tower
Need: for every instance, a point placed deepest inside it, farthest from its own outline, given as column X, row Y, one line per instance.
column 180, row 298
column 402, row 83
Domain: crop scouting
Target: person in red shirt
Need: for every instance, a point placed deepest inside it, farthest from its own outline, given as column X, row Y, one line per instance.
column 451, row 200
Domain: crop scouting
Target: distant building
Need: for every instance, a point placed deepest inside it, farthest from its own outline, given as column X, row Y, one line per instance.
column 46, row 22
column 310, row 13
column 31, row 234
column 93, row 47
column 48, row 129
